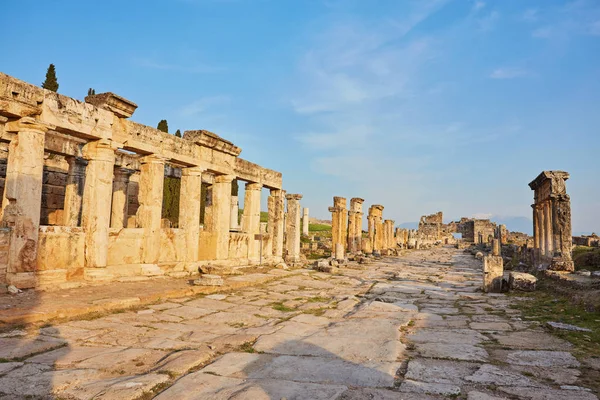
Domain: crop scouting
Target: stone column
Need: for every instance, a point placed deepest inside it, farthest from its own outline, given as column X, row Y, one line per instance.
column 97, row 196
column 548, row 229
column 22, row 199
column 251, row 219
column 305, row 221
column 120, row 200
column 493, row 271
column 561, row 229
column 150, row 197
column 189, row 210
column 74, row 191
column 221, row 213
column 371, row 227
column 339, row 223
column 235, row 209
column 276, row 217
column 355, row 225
column 292, row 228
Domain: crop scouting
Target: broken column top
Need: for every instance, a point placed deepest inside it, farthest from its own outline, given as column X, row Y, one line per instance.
column 357, row 200
column 116, row 104
column 293, row 196
column 339, row 202
column 555, row 176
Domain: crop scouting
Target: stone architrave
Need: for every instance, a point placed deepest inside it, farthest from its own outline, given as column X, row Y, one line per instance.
column 355, row 225
column 276, row 211
column 251, row 219
column 292, row 228
column 120, row 199
column 150, row 197
column 305, row 222
column 552, row 220
column 339, row 223
column 189, row 209
column 74, row 191
column 22, row 199
column 97, row 198
column 221, row 214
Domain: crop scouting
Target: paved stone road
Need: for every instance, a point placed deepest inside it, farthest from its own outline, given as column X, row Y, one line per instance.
column 412, row 327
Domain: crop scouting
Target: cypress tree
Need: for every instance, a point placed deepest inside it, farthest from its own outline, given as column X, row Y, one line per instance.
column 51, row 83
column 163, row 126
column 178, row 133
column 91, row 92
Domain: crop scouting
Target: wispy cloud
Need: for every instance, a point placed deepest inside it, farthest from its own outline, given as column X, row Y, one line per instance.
column 509, row 73
column 202, row 105
column 192, row 67
column 579, row 17
column 489, row 21
column 530, row 15
column 478, row 5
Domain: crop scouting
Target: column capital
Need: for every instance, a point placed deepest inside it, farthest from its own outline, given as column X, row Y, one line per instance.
column 100, row 150
column 254, row 186
column 192, row 171
column 123, row 174
column 76, row 161
column 293, row 196
column 224, row 178
column 153, row 159
column 27, row 124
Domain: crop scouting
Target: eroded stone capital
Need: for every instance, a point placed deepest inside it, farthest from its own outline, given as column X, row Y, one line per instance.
column 224, row 178
column 293, row 196
column 254, row 186
column 27, row 124
column 193, row 171
column 100, row 150
column 153, row 159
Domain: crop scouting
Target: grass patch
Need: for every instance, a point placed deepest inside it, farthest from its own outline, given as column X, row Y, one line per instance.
column 319, row 228
column 586, row 258
column 247, row 347
column 318, row 299
column 546, row 305
column 317, row 312
column 279, row 306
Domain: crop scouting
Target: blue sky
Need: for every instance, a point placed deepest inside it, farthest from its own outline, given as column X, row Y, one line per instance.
column 421, row 105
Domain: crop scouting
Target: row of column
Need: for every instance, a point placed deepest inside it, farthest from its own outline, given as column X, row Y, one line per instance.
column 96, row 198
column 542, row 228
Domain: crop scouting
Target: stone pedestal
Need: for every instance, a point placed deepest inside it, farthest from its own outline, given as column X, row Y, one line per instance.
column 493, row 271
column 292, row 229
column 150, row 197
column 251, row 219
column 275, row 225
column 22, row 199
column 74, row 191
column 120, row 200
column 97, row 196
column 305, row 222
column 221, row 214
column 189, row 210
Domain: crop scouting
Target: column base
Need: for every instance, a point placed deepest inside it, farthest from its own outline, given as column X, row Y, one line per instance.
column 22, row 280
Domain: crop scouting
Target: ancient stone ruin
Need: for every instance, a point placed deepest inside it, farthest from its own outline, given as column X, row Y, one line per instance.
column 83, row 195
column 552, row 221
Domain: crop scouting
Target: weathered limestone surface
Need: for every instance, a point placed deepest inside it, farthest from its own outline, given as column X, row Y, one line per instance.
column 74, row 191
column 221, row 214
column 251, row 219
column 150, row 212
column 292, row 229
column 276, row 207
column 355, row 225
column 424, row 334
column 552, row 220
column 120, row 198
column 189, row 210
column 339, row 224
column 305, row 221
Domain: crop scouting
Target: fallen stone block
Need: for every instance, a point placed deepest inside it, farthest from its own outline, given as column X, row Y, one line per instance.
column 522, row 281
column 209, row 280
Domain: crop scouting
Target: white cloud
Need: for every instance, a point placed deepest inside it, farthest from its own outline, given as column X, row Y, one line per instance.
column 478, row 5
column 530, row 15
column 509, row 73
column 201, row 105
column 488, row 22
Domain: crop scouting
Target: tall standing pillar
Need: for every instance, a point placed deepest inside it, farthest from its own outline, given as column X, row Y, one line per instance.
column 355, row 225
column 275, row 224
column 120, row 201
column 74, row 191
column 292, row 228
column 221, row 214
column 235, row 209
column 339, row 223
column 305, row 221
column 97, row 196
column 378, row 221
column 22, row 199
column 251, row 219
column 389, row 234
column 189, row 210
column 371, row 227
column 548, row 229
column 150, row 197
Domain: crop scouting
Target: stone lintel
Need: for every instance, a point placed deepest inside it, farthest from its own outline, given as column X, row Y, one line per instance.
column 545, row 175
column 213, row 141
column 27, row 124
column 118, row 105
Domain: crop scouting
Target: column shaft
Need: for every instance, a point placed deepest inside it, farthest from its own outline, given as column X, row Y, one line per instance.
column 189, row 210
column 74, row 191
column 292, row 230
column 120, row 200
column 221, row 214
column 150, row 197
column 276, row 220
column 251, row 219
